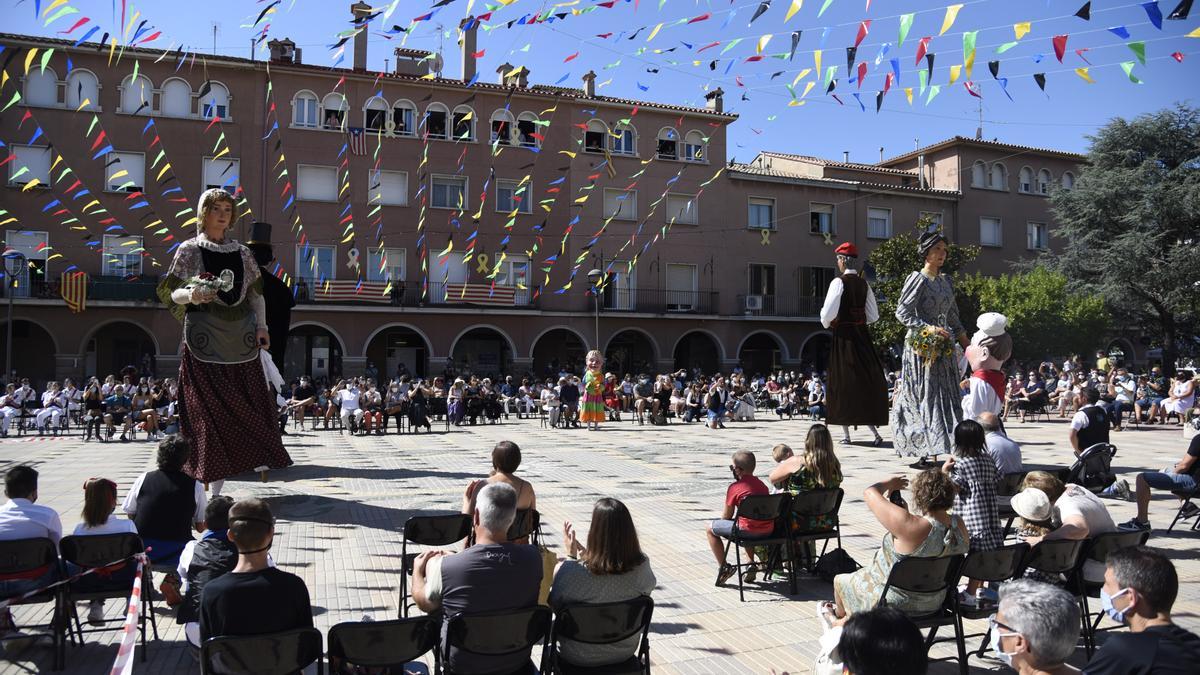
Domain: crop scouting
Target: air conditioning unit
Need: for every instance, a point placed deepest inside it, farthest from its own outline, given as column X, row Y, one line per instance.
column 754, row 303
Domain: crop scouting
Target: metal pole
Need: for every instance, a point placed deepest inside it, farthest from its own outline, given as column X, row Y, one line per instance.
column 8, row 343
column 596, row 302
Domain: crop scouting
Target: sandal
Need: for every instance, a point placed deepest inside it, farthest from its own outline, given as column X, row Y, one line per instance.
column 751, row 574
column 827, row 613
column 724, row 574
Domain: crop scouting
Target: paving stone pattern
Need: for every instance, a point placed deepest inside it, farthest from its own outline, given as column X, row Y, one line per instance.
column 342, row 506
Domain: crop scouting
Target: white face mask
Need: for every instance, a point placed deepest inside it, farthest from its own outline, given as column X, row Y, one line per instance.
column 1005, row 657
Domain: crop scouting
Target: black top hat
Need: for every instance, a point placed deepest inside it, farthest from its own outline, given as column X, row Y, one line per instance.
column 260, row 233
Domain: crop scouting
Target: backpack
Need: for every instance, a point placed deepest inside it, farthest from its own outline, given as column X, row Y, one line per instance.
column 835, row 562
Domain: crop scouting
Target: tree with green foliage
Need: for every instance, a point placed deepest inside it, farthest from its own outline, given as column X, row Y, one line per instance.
column 1045, row 319
column 1130, row 228
column 892, row 262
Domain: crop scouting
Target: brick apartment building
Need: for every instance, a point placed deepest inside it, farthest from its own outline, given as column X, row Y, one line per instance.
column 737, row 274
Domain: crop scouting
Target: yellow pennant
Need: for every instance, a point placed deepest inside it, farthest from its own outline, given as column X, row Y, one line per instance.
column 1021, row 29
column 796, row 5
column 803, row 74
column 807, row 88
column 1083, row 72
column 954, row 73
column 951, row 15
column 29, row 59
column 762, row 42
column 654, row 32
column 1195, row 33
column 817, row 61
column 908, row 94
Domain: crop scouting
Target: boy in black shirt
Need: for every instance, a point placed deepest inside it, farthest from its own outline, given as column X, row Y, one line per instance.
column 1140, row 585
column 253, row 599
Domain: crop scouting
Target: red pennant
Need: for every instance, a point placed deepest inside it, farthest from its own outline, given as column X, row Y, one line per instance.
column 863, row 28
column 887, row 83
column 479, row 54
column 1060, row 46
column 921, row 47
column 862, row 73
column 571, row 57
column 703, row 17
column 1178, row 56
column 972, row 89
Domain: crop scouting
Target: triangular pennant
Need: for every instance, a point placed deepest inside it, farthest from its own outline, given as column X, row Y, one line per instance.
column 795, row 43
column 1021, row 29
column 1139, row 49
column 851, row 52
column 1120, row 32
column 1060, row 46
column 905, row 24
column 1181, row 11
column 922, row 47
column 1083, row 73
column 1127, row 66
column 1040, row 78
column 994, row 68
column 1154, row 13
column 863, row 28
column 1085, row 12
column 948, row 20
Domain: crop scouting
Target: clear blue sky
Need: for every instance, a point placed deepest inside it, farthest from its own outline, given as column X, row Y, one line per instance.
column 1061, row 119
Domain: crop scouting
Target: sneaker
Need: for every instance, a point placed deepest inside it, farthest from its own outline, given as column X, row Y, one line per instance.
column 96, row 613
column 1121, row 489
column 750, row 574
column 966, row 599
column 725, row 572
column 1134, row 524
column 845, row 441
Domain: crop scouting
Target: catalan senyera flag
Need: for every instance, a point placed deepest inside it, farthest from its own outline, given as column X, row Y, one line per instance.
column 74, row 290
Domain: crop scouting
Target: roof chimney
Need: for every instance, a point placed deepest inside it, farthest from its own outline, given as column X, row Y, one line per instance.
column 284, row 51
column 715, row 100
column 881, row 154
column 360, row 10
column 466, row 39
column 589, row 84
column 846, row 156
column 513, row 77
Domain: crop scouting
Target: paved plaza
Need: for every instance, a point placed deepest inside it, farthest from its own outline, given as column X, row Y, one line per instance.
column 342, row 506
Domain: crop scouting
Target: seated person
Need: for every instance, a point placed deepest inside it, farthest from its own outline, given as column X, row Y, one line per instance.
column 816, row 399
column 882, row 641
column 506, row 459
column 1140, row 587
column 1089, row 426
column 568, row 393
column 492, row 575
column 1151, row 391
column 10, row 409
column 930, row 532
column 1180, row 478
column 167, row 504
column 1004, row 451
column 117, row 408
column 611, row 568
column 787, row 402
column 626, row 394
column 817, row 468
column 745, row 484
column 54, row 404
column 303, row 396
column 22, row 518
column 551, row 403
column 349, row 400
column 1081, row 513
column 202, row 561
column 253, row 598
column 99, row 502
column 1035, row 628
column 643, row 397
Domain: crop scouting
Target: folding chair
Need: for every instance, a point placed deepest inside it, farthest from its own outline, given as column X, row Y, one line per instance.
column 503, row 633
column 1063, row 557
column 382, row 647
column 98, row 551
column 526, row 523
column 428, row 531
column 282, row 653
column 603, row 624
column 995, row 566
column 1186, row 498
column 932, row 575
column 1097, row 549
column 773, row 508
column 32, row 559
column 822, row 504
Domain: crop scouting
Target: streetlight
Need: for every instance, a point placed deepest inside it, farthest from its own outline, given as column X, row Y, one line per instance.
column 594, row 276
column 14, row 263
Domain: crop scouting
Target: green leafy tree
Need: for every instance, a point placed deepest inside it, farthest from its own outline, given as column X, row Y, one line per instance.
column 892, row 261
column 1045, row 319
column 1130, row 228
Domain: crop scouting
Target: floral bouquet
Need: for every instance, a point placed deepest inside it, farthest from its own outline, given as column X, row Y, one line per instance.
column 212, row 282
column 930, row 345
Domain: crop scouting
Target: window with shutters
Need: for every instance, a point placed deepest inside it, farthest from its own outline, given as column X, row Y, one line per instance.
column 403, row 114
column 1025, row 180
column 222, row 173
column 82, row 90
column 681, row 287
column 820, row 218
column 386, row 265
column 389, row 188
column 316, row 183
column 682, row 209
column 761, row 213
column 1038, row 237
column 668, row 143
column 124, row 172
column 527, row 130
column 333, row 112
column 315, row 264
column 436, row 116
column 464, row 123
column 375, row 114
column 305, row 110
column 448, row 192
column 624, row 140
column 121, row 256
column 214, row 102
column 990, row 233
column 41, row 88
column 36, row 247
column 512, row 196
column 137, row 95
column 32, row 162
column 620, row 204
column 594, row 137
column 879, row 223
column 1043, row 182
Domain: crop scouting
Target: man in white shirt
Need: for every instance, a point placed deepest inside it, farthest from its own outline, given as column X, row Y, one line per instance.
column 1124, row 388
column 350, row 399
column 10, row 409
column 21, row 518
column 1004, row 450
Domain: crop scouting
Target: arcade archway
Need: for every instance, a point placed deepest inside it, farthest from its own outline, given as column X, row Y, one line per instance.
column 483, row 351
column 630, row 352
column 760, row 353
column 698, row 350
column 398, row 350
column 558, row 349
column 313, row 350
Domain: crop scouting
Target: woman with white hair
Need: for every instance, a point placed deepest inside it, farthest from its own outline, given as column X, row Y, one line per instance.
column 214, row 287
column 1035, row 628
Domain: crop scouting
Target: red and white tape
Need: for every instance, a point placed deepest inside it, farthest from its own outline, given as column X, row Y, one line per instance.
column 123, row 665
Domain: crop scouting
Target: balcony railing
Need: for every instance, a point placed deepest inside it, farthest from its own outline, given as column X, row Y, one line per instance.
column 658, row 301
column 408, row 294
column 779, row 305
column 99, row 288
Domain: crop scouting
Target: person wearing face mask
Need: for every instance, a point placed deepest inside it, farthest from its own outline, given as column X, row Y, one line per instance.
column 1140, row 586
column 1035, row 628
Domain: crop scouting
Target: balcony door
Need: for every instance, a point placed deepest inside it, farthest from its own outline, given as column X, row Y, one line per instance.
column 619, row 293
column 761, row 279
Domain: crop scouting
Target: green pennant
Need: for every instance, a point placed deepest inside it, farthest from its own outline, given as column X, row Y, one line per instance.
column 1139, row 50
column 829, row 73
column 1005, row 47
column 923, row 77
column 824, row 7
column 732, row 43
column 969, row 45
column 933, row 92
column 905, row 24
column 1127, row 66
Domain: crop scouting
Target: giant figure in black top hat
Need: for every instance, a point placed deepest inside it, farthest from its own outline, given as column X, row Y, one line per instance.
column 277, row 295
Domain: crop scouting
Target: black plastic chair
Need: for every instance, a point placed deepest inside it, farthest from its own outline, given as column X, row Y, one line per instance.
column 428, row 531
column 31, row 558
column 932, row 575
column 527, row 523
column 1186, row 499
column 821, row 503
column 499, row 634
column 282, row 653
column 1097, row 549
column 1063, row 557
column 98, row 551
column 995, row 566
column 382, row 647
column 602, row 624
column 773, row 508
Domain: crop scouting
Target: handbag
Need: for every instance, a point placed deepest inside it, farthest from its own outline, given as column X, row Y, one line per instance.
column 835, row 562
column 549, row 562
column 829, row 661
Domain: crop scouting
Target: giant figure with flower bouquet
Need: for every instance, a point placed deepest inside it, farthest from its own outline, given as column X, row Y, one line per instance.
column 927, row 403
column 225, row 408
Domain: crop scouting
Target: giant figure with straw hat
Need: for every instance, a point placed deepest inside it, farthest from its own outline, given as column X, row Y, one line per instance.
column 857, row 392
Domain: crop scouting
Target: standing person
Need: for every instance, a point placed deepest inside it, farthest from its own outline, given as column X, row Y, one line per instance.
column 975, row 474
column 857, row 391
column 592, row 411
column 226, row 409
column 277, row 296
column 928, row 405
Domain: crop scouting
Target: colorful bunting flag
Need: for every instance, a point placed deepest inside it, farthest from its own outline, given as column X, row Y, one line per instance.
column 905, row 24
column 1154, row 13
column 948, row 20
column 1060, row 46
column 1139, row 50
column 1083, row 72
column 1085, row 12
column 1127, row 66
column 1021, row 29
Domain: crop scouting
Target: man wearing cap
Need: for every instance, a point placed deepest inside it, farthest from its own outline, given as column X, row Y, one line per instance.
column 856, row 392
column 278, row 296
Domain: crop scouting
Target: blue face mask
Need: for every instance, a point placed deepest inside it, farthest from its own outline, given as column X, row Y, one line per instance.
column 1106, row 603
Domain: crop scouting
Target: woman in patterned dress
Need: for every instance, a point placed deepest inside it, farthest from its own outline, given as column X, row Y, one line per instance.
column 927, row 403
column 592, row 412
column 225, row 407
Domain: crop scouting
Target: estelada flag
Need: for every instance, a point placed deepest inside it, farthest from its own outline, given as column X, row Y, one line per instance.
column 73, row 288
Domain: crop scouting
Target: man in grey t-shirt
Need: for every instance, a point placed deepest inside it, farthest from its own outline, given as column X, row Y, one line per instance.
column 489, row 576
column 1004, row 450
